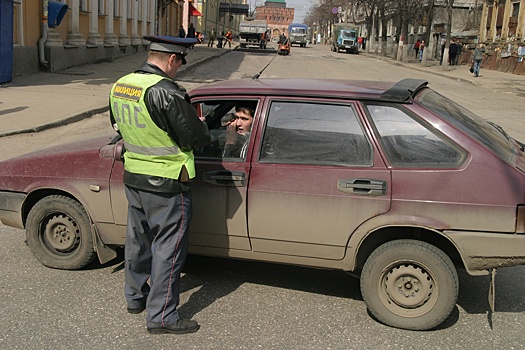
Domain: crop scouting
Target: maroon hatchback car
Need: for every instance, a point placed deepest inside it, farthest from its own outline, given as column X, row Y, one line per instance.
column 393, row 182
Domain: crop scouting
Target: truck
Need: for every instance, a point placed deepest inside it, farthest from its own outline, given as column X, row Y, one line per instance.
column 344, row 37
column 298, row 34
column 250, row 32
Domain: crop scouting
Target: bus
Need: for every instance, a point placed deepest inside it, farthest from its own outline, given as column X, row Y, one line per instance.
column 298, row 33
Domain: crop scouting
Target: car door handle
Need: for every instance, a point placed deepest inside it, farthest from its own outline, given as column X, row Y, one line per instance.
column 363, row 187
column 225, row 178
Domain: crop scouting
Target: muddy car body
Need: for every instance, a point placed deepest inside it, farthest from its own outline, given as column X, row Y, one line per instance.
column 393, row 182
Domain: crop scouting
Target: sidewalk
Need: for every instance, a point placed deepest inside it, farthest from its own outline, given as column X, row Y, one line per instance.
column 44, row 100
column 502, row 83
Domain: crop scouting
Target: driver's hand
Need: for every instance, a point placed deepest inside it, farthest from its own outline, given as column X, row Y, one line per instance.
column 231, row 133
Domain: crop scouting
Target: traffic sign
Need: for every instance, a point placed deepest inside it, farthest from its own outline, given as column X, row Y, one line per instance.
column 334, row 10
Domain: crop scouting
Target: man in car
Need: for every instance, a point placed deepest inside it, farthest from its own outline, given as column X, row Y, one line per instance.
column 238, row 133
column 160, row 129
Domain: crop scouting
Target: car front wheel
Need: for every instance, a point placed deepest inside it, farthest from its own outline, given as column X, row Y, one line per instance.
column 409, row 284
column 58, row 233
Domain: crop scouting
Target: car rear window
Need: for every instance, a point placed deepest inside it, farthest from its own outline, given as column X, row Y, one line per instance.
column 314, row 133
column 468, row 122
column 408, row 143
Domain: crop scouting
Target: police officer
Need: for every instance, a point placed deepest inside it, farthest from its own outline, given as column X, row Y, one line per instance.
column 160, row 129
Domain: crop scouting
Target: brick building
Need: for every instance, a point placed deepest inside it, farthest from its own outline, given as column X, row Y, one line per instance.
column 277, row 15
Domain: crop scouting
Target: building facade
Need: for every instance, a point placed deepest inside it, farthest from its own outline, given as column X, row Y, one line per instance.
column 90, row 30
column 221, row 16
column 277, row 15
column 502, row 28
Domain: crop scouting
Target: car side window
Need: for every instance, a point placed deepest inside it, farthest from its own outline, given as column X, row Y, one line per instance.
column 230, row 124
column 409, row 143
column 310, row 133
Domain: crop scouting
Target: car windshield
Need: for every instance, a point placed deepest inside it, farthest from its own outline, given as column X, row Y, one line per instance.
column 348, row 34
column 298, row 30
column 489, row 134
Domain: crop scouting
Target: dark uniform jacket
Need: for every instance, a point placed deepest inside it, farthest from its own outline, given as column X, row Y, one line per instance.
column 169, row 108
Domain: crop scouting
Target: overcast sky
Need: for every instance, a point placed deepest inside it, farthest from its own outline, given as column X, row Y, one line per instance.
column 301, row 8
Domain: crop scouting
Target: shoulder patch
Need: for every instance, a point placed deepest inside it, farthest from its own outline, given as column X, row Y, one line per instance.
column 128, row 92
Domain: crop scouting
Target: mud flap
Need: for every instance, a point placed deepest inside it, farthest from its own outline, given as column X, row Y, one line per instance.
column 104, row 253
column 492, row 296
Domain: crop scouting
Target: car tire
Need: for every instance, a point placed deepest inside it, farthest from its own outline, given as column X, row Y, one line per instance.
column 58, row 232
column 409, row 284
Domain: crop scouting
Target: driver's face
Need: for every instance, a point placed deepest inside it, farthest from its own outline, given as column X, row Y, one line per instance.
column 243, row 122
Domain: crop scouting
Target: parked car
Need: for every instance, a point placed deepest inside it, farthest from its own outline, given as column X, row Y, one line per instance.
column 390, row 181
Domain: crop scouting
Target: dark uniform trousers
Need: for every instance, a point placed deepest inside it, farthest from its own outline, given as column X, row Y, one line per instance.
column 156, row 247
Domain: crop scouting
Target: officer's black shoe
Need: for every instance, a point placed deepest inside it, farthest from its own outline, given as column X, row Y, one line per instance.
column 137, row 310
column 179, row 327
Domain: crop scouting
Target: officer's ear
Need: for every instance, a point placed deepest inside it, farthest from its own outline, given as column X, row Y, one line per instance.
column 172, row 58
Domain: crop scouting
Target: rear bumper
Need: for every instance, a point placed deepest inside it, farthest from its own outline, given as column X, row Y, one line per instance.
column 482, row 251
column 11, row 208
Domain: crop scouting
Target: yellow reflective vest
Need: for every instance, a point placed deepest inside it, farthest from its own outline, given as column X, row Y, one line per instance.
column 149, row 149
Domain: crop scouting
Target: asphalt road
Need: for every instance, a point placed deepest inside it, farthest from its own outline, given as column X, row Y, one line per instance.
column 248, row 305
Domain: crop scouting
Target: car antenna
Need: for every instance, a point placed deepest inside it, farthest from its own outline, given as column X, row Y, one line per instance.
column 256, row 76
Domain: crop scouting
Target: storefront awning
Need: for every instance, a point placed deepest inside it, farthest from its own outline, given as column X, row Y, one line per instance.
column 194, row 12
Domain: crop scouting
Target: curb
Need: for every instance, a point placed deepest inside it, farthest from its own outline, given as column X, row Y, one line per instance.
column 67, row 120
column 193, row 66
column 414, row 67
column 97, row 110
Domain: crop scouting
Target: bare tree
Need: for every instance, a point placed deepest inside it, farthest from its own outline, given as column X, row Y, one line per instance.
column 376, row 14
column 369, row 9
column 444, row 62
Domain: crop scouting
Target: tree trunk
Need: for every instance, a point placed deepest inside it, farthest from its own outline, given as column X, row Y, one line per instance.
column 444, row 63
column 404, row 51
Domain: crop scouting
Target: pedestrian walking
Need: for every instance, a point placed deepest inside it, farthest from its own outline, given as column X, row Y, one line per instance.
column 220, row 39
column 229, row 38
column 421, row 49
column 452, row 52
column 459, row 48
column 477, row 59
column 158, row 165
column 182, row 32
column 416, row 47
column 191, row 34
column 211, row 38
column 262, row 40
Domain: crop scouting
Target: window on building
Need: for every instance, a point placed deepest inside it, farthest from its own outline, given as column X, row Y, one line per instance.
column 513, row 20
column 101, row 7
column 18, row 23
column 116, row 8
column 83, row 6
column 151, row 14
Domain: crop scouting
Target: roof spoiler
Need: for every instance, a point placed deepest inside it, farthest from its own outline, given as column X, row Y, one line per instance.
column 403, row 90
